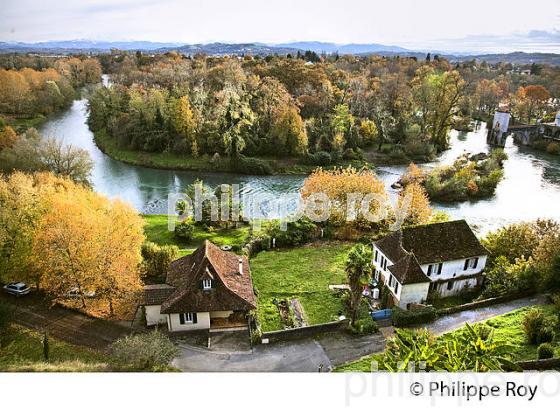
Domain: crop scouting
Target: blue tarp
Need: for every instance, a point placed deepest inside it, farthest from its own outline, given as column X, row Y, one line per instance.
column 381, row 314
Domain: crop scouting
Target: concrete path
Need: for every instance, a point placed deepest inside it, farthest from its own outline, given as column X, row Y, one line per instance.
column 456, row 320
column 305, row 355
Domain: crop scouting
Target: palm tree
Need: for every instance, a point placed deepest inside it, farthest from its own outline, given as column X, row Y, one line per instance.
column 358, row 267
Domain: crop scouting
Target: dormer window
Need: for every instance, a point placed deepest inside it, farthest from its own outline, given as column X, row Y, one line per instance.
column 206, row 284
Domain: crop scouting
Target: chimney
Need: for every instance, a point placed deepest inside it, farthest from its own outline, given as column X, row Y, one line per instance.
column 241, row 266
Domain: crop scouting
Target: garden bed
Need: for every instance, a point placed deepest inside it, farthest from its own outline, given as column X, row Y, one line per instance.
column 302, row 273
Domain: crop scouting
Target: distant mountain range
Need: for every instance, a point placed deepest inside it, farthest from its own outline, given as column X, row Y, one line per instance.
column 82, row 45
column 88, row 46
column 320, row 47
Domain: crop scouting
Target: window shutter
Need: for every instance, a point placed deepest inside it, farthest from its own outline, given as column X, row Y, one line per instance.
column 440, row 268
column 429, row 270
column 475, row 263
column 212, row 284
column 182, row 318
column 194, row 318
column 376, row 255
column 466, row 264
column 200, row 284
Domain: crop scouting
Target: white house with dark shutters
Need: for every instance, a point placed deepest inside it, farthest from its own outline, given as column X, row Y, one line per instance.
column 444, row 258
column 209, row 289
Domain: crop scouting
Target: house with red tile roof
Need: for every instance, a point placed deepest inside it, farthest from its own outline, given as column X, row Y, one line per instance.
column 208, row 289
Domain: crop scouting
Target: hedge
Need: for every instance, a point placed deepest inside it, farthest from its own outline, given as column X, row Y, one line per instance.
column 403, row 317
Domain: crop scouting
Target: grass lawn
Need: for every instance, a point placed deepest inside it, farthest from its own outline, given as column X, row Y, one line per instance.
column 22, row 350
column 156, row 231
column 303, row 273
column 507, row 328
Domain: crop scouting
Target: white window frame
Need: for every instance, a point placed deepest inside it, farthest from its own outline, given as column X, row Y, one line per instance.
column 472, row 262
column 188, row 317
column 434, row 269
column 206, row 284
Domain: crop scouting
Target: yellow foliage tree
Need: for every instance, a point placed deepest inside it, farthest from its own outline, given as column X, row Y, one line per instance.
column 413, row 205
column 88, row 242
column 24, row 199
column 414, row 175
column 289, row 132
column 8, row 137
column 338, row 184
column 185, row 123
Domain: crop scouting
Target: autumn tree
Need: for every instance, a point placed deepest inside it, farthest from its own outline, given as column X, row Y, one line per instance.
column 436, row 96
column 14, row 92
column 288, row 132
column 185, row 124
column 368, row 132
column 88, row 242
column 20, row 211
column 413, row 205
column 8, row 137
column 530, row 101
column 345, row 189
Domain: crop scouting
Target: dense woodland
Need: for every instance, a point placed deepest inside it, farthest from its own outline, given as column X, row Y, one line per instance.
column 321, row 109
column 30, row 86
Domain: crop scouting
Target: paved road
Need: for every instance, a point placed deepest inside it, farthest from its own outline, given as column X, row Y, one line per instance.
column 456, row 320
column 65, row 324
column 304, row 355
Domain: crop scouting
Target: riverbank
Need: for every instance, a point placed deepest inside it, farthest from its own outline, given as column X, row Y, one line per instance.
column 279, row 166
column 22, row 124
column 170, row 161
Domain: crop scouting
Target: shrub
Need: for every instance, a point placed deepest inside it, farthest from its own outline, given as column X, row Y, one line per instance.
column 545, row 351
column 156, row 259
column 296, row 233
column 257, row 244
column 143, row 352
column 553, row 148
column 420, row 150
column 397, row 153
column 499, row 156
column 537, row 328
column 364, row 327
column 545, row 334
column 322, row 158
column 184, row 230
column 252, row 166
column 403, row 317
column 505, row 278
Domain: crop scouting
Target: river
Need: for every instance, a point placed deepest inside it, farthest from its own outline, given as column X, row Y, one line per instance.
column 529, row 190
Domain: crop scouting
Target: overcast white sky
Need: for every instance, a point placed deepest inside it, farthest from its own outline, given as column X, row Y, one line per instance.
column 504, row 24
